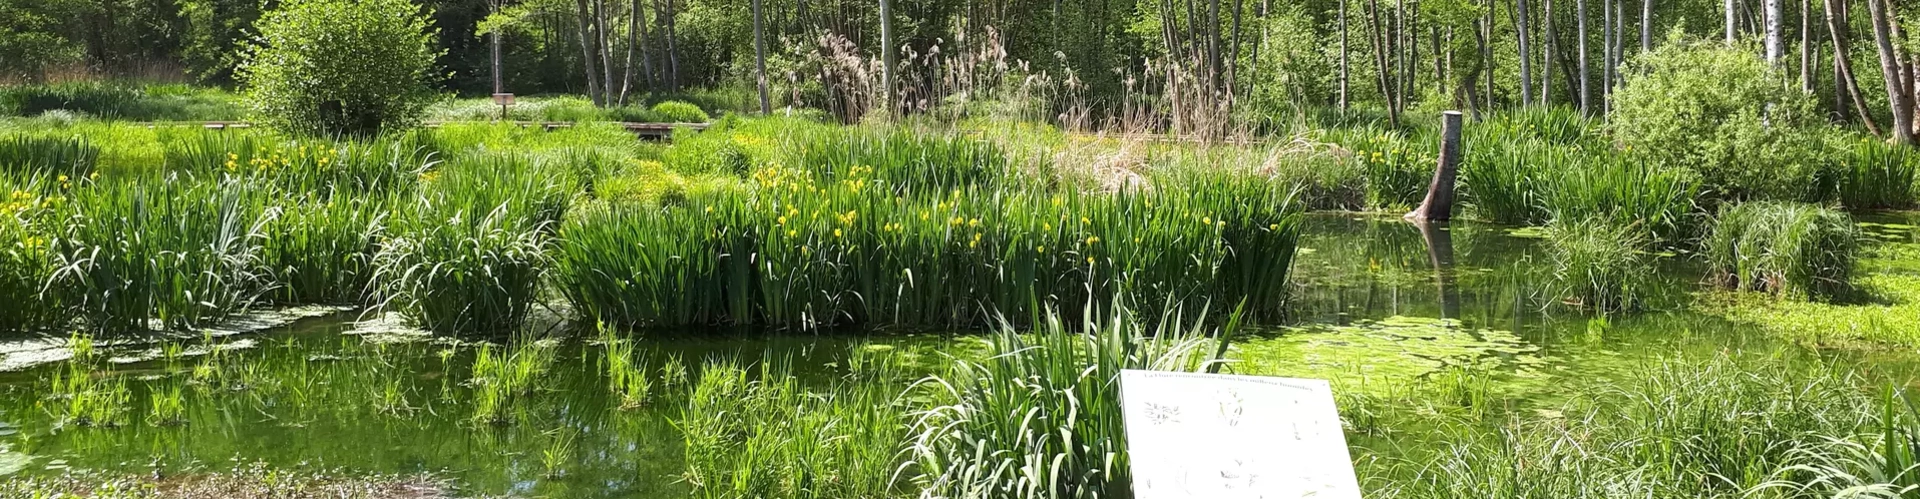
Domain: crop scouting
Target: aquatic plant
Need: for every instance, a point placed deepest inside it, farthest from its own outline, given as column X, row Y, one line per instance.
column 72, row 156
column 1624, row 190
column 559, row 450
column 319, row 251
column 627, row 376
column 1503, row 181
column 77, row 396
column 1039, row 417
column 499, row 379
column 172, row 254
column 1785, row 248
column 27, row 253
column 468, row 255
column 752, row 433
column 1871, row 175
column 1599, row 264
column 166, row 408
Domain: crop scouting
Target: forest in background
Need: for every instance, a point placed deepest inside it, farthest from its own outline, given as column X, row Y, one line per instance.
column 1239, row 60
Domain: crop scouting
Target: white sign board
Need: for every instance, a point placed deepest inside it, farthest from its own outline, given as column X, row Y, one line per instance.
column 1217, row 436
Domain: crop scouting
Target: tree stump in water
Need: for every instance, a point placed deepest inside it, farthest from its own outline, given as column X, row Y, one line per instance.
column 1438, row 206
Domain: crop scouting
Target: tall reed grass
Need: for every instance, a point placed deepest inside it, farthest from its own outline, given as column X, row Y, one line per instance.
column 27, row 214
column 1599, row 264
column 469, row 254
column 173, row 254
column 73, row 157
column 1040, row 416
column 1787, row 248
column 753, row 432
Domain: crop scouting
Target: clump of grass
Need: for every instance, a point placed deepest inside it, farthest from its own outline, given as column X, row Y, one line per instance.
column 27, row 261
column 752, row 433
column 321, row 251
column 680, row 112
column 78, row 396
column 627, row 376
column 1398, row 168
column 501, row 378
column 1599, row 264
column 1503, row 180
column 167, row 408
column 1625, row 190
column 1872, row 175
column 74, row 157
column 468, row 256
column 1040, row 416
column 1792, row 249
column 173, row 253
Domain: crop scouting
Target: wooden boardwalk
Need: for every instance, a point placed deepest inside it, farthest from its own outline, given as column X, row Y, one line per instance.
column 643, row 131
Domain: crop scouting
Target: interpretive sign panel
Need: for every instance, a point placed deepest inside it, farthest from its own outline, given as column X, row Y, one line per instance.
column 1218, row 436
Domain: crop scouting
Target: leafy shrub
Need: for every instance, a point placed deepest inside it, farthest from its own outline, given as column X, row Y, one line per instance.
column 680, row 112
column 1720, row 111
column 1788, row 248
column 332, row 67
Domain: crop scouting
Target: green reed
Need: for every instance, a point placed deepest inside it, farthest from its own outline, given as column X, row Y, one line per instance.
column 797, row 253
column 166, row 408
column 757, row 432
column 27, row 214
column 73, row 157
column 1599, row 264
column 1872, row 175
column 79, row 396
column 468, row 255
column 321, row 251
column 1624, row 190
column 173, row 253
column 1787, row 248
column 627, row 375
column 1040, row 416
column 500, row 378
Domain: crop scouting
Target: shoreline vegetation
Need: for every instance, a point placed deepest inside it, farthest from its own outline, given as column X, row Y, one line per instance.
column 909, row 250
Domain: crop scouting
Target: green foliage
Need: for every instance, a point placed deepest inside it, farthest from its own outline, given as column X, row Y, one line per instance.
column 1870, row 174
column 1720, row 111
column 468, row 255
column 331, row 67
column 70, row 157
column 173, row 253
column 1787, row 248
column 753, row 433
column 30, row 41
column 26, row 253
column 321, row 251
column 119, row 100
column 1599, row 264
column 680, row 112
column 1039, row 417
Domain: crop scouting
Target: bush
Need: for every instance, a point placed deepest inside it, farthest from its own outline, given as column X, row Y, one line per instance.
column 352, row 67
column 680, row 112
column 1787, row 248
column 1721, row 111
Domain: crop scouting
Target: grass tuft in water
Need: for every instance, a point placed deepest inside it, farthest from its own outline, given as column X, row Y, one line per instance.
column 1792, row 249
column 1598, row 264
column 753, row 432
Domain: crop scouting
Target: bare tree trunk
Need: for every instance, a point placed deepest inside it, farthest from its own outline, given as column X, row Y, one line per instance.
column 1646, row 25
column 1892, row 70
column 1806, row 47
column 886, row 55
column 1619, row 51
column 1380, row 61
column 633, row 38
column 606, row 51
column 1526, row 60
column 760, row 57
column 1844, row 79
column 668, row 20
column 1486, row 53
column 1399, row 54
column 1546, row 71
column 1731, row 28
column 587, row 53
column 1438, row 206
column 1580, row 31
column 1606, row 51
column 1774, row 48
column 1343, row 54
column 1898, row 95
column 646, row 56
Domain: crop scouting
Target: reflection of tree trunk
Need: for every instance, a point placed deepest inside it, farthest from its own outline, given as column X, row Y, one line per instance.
column 1440, row 255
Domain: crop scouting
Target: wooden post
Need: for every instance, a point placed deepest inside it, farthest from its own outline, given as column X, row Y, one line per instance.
column 1438, row 207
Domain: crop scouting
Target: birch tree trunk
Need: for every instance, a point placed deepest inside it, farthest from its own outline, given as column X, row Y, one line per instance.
column 886, row 55
column 1380, row 61
column 1580, row 31
column 760, row 57
column 1730, row 22
column 1844, row 79
column 1526, row 60
column 1343, row 54
column 1646, row 25
column 1806, row 47
column 1773, row 33
column 1546, row 59
column 1898, row 96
